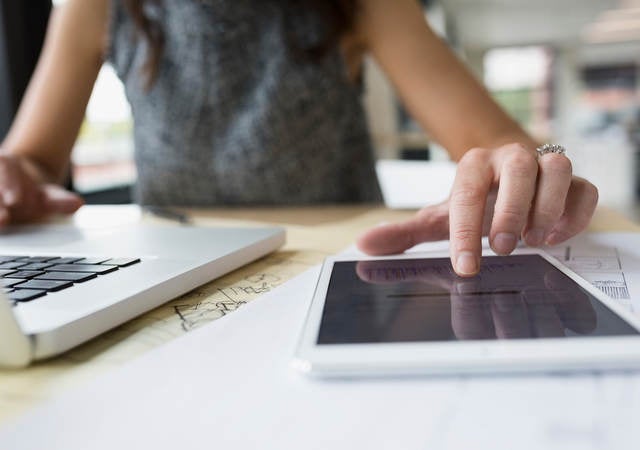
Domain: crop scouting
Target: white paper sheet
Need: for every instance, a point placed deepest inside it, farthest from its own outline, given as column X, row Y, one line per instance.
column 229, row 385
column 414, row 184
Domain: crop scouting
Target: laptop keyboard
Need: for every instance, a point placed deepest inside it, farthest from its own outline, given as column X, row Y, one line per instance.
column 25, row 278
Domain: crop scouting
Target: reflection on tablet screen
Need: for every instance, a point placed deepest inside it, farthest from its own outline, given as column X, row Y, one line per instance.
column 513, row 297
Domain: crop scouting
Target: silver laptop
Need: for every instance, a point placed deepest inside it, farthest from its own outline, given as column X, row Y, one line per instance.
column 63, row 285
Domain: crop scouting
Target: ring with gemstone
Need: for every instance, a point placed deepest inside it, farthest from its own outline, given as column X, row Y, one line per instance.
column 551, row 148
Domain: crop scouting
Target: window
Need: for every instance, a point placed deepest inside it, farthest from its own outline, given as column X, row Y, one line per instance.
column 103, row 155
column 519, row 79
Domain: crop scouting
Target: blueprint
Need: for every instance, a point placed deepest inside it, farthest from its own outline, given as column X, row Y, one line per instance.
column 609, row 261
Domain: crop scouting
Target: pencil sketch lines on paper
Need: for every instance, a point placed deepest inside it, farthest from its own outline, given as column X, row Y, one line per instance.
column 191, row 316
column 220, row 301
column 198, row 307
column 616, row 288
column 601, row 266
column 226, row 301
column 213, row 301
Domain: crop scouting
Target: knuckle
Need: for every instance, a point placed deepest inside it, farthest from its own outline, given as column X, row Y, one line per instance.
column 510, row 213
column 547, row 214
column 463, row 236
column 518, row 147
column 466, row 196
column 521, row 164
column 475, row 156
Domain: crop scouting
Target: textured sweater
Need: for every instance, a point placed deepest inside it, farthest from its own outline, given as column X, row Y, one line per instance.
column 233, row 118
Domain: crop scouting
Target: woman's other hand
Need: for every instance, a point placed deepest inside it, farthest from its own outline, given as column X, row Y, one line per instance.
column 22, row 199
column 35, row 154
column 507, row 193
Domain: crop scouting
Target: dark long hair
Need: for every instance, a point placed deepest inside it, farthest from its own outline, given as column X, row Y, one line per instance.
column 337, row 17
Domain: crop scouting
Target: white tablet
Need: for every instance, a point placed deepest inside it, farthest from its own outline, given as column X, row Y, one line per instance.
column 411, row 314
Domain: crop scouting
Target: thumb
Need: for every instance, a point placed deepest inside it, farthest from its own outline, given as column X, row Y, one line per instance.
column 429, row 224
column 60, row 201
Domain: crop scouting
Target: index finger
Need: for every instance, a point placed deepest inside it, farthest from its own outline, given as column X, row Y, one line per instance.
column 467, row 204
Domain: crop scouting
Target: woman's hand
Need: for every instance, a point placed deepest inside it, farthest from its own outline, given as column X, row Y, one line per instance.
column 22, row 199
column 506, row 193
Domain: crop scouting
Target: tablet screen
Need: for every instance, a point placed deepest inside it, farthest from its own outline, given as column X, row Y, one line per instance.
column 513, row 297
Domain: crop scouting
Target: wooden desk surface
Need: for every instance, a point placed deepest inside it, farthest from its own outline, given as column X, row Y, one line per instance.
column 312, row 234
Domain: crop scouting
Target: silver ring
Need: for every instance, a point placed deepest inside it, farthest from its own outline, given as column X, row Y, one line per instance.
column 551, row 148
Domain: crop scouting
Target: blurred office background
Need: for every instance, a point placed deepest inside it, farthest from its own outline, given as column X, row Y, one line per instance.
column 568, row 70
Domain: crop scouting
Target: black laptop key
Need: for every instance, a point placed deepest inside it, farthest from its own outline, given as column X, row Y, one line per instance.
column 37, row 259
column 98, row 260
column 25, row 295
column 122, row 262
column 75, row 277
column 66, row 260
column 36, row 266
column 24, row 274
column 91, row 268
column 45, row 285
column 4, row 273
column 6, row 258
column 12, row 265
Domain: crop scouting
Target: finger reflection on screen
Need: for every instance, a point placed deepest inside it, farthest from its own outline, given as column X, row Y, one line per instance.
column 470, row 314
column 509, row 299
column 510, row 315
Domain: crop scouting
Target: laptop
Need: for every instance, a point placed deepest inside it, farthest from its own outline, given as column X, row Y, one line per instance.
column 63, row 285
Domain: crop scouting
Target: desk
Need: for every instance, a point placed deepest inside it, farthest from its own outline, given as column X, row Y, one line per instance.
column 313, row 233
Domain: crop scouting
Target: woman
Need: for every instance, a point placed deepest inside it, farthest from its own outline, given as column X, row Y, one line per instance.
column 244, row 102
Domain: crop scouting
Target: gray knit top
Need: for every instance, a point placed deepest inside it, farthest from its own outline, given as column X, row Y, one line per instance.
column 233, row 118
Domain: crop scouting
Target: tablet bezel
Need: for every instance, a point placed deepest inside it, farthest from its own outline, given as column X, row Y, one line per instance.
column 482, row 356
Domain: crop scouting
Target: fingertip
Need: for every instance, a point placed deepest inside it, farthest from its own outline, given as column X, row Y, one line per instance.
column 429, row 224
column 466, row 264
column 60, row 201
column 504, row 243
column 370, row 243
column 555, row 238
column 76, row 203
column 70, row 206
column 560, row 232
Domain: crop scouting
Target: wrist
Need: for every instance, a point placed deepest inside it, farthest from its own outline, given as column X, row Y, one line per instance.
column 32, row 168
